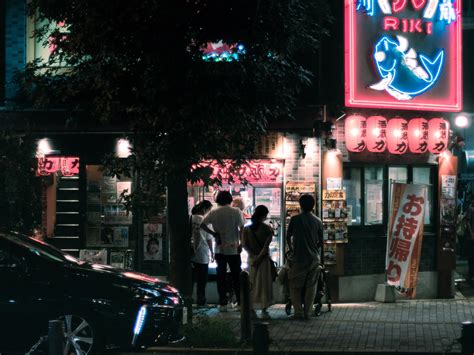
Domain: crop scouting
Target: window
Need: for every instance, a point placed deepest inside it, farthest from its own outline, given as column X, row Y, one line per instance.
column 369, row 189
column 423, row 176
column 352, row 186
column 38, row 48
column 373, row 195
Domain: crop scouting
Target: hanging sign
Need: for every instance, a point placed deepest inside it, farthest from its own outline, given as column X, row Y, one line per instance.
column 376, row 134
column 405, row 235
column 403, row 54
column 355, row 133
column 397, row 135
column 418, row 135
column 68, row 166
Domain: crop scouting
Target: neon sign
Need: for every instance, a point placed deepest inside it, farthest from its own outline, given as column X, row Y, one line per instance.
column 403, row 54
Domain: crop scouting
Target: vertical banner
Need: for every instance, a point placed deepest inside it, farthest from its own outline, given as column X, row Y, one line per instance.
column 405, row 235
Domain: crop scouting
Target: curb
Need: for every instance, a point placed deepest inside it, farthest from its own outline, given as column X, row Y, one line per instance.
column 235, row 351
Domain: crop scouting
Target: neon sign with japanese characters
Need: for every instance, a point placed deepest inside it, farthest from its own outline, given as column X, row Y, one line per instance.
column 68, row 166
column 403, row 54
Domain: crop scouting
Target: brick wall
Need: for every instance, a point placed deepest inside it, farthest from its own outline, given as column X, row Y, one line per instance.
column 297, row 168
column 15, row 43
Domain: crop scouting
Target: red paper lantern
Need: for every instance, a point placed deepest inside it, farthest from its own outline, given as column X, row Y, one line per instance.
column 418, row 135
column 355, row 132
column 397, row 136
column 376, row 134
column 438, row 135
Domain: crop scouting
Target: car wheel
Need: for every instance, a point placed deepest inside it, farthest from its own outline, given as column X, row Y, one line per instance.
column 79, row 335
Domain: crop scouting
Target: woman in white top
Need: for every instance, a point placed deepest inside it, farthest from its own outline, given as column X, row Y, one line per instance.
column 202, row 245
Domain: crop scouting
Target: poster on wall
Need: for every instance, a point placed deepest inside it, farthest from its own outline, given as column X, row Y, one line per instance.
column 116, row 214
column 329, row 254
column 117, row 259
column 94, row 256
column 153, row 241
column 124, row 188
column 269, row 197
column 402, row 54
column 405, row 235
column 374, row 201
column 448, row 186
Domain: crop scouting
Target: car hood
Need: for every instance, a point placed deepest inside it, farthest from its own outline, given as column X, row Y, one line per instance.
column 127, row 277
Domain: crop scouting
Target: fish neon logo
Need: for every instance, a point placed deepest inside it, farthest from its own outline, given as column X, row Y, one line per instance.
column 402, row 75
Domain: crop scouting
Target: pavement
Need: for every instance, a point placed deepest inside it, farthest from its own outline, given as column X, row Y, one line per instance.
column 404, row 327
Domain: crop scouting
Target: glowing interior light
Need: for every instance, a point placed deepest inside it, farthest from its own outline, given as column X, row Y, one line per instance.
column 417, row 133
column 355, row 132
column 437, row 134
column 376, row 132
column 44, row 147
column 397, row 133
column 461, row 121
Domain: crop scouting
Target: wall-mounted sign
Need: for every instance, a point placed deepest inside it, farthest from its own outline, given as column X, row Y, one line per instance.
column 268, row 171
column 403, row 54
column 68, row 166
column 398, row 135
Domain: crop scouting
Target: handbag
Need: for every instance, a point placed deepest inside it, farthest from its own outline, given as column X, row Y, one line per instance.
column 273, row 264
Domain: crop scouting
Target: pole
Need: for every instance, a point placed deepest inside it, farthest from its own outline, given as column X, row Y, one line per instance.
column 467, row 338
column 261, row 338
column 56, row 337
column 245, row 323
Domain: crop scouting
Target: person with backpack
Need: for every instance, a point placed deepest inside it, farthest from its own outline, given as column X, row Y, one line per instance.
column 202, row 248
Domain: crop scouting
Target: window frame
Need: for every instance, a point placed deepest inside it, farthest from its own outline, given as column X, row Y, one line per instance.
column 364, row 229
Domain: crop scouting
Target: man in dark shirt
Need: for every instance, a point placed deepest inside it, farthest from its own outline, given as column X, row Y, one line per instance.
column 305, row 239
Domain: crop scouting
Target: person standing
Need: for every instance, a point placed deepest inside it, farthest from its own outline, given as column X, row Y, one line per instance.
column 202, row 244
column 227, row 224
column 304, row 239
column 256, row 240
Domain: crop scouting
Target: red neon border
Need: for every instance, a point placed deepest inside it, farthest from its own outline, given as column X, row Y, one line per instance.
column 453, row 103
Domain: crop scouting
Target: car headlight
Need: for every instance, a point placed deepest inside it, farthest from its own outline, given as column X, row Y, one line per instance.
column 148, row 292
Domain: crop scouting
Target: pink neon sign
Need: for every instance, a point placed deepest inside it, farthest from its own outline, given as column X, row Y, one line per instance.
column 403, row 54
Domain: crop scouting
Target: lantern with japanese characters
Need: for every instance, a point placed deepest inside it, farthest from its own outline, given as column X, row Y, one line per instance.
column 397, row 136
column 438, row 135
column 418, row 135
column 355, row 133
column 376, row 134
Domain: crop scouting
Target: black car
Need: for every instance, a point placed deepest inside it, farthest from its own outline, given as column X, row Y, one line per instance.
column 101, row 306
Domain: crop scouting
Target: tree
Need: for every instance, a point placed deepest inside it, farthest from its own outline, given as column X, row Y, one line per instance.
column 141, row 63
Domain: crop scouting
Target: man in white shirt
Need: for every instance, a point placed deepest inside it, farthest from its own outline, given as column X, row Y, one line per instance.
column 227, row 223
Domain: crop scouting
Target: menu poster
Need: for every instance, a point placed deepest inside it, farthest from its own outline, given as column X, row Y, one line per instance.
column 329, row 254
column 448, row 186
column 295, row 189
column 116, row 214
column 94, row 256
column 120, row 237
column 108, row 189
column 117, row 259
column 153, row 241
column 334, row 183
column 374, row 208
column 124, row 188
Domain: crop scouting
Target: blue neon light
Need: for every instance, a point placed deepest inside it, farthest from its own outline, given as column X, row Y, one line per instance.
column 403, row 79
column 367, row 5
column 140, row 321
column 447, row 12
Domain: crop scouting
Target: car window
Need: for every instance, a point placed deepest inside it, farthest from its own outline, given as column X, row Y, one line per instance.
column 42, row 249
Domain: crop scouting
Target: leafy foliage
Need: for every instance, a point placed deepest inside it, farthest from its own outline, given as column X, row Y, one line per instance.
column 207, row 332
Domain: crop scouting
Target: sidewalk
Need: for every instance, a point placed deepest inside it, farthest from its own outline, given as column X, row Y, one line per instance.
column 428, row 326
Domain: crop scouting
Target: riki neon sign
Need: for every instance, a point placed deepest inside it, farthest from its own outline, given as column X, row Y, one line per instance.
column 403, row 54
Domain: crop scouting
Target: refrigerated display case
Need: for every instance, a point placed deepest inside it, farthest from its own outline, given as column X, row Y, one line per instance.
column 270, row 195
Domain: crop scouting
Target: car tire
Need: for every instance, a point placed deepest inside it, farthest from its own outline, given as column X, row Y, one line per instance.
column 81, row 335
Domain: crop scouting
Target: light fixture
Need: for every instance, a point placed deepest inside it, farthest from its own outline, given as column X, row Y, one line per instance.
column 44, row 147
column 122, row 148
column 462, row 120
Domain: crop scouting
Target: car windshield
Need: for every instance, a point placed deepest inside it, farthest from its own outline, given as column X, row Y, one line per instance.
column 42, row 249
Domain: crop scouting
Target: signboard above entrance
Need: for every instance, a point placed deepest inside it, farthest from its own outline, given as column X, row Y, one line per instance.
column 403, row 54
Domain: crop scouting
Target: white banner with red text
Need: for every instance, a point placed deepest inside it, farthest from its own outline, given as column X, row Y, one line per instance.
column 405, row 235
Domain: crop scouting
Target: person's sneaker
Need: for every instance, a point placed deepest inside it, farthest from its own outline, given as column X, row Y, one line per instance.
column 222, row 308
